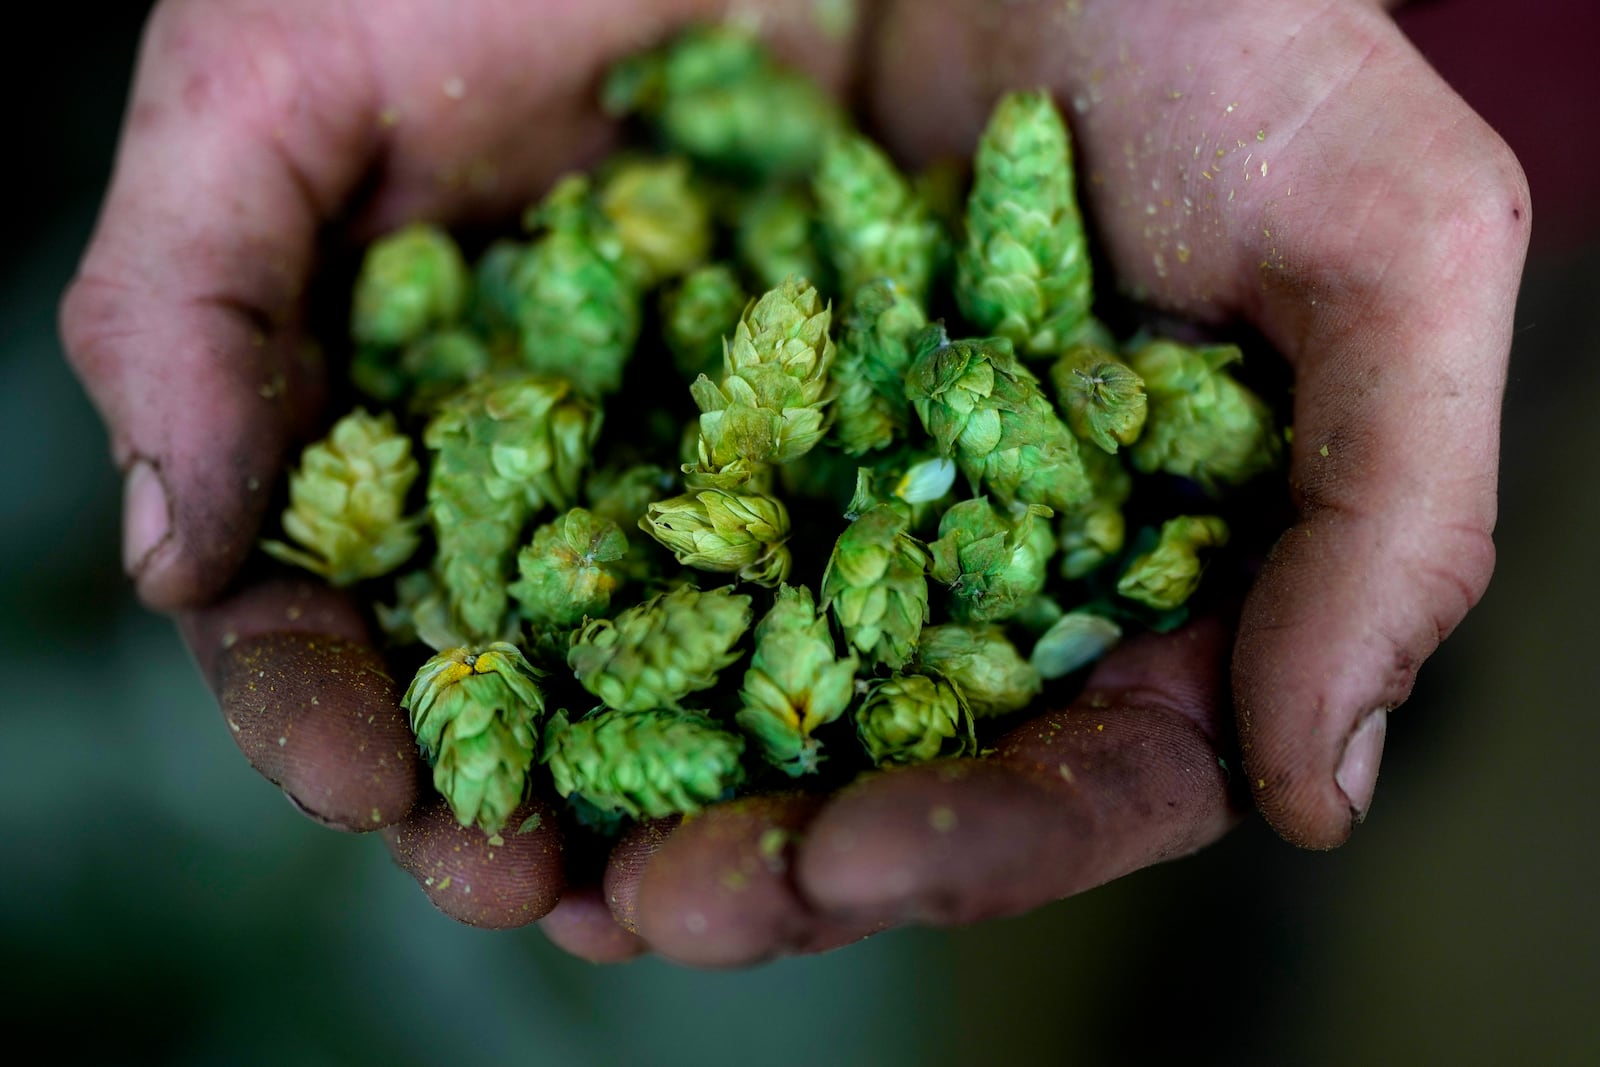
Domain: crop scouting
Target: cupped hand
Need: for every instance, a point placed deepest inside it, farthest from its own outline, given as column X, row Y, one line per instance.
column 1293, row 165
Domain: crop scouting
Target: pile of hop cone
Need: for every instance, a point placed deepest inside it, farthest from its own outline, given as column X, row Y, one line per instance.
column 757, row 459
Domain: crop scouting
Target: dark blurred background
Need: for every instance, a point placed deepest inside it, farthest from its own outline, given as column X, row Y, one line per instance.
column 160, row 903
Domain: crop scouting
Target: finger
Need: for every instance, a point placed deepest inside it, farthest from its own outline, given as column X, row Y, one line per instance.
column 716, row 890
column 500, row 882
column 1397, row 316
column 1127, row 777
column 582, row 925
column 184, row 321
column 308, row 701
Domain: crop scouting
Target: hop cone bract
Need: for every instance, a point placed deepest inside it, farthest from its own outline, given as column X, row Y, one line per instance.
column 1023, row 271
column 501, row 451
column 1202, row 424
column 794, row 683
column 983, row 408
column 876, row 227
column 910, row 718
column 577, row 293
column 877, row 586
column 347, row 502
column 411, row 281
column 476, row 716
column 657, row 652
column 983, row 664
column 1164, row 577
column 644, row 764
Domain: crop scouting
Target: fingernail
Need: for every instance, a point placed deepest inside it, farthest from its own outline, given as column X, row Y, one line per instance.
column 320, row 820
column 1358, row 767
column 146, row 516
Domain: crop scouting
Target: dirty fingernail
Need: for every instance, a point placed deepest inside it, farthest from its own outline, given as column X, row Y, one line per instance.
column 146, row 516
column 1358, row 767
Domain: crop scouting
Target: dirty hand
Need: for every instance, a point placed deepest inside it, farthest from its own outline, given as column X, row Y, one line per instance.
column 1290, row 164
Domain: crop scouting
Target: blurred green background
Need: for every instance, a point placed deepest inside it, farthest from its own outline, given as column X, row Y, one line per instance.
column 162, row 904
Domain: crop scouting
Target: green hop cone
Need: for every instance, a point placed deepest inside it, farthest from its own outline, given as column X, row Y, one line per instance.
column 501, row 451
column 983, row 664
column 769, row 406
column 795, row 683
column 1023, row 270
column 662, row 220
column 725, row 532
column 1164, row 577
column 1102, row 398
column 657, row 652
column 347, row 502
column 1202, row 425
column 1095, row 533
column 912, row 718
column 421, row 613
column 775, row 236
column 990, row 563
column 715, row 94
column 871, row 411
column 643, row 764
column 410, row 282
column 577, row 292
column 1073, row 641
column 876, row 584
column 494, row 291
column 476, row 716
column 876, row 226
column 983, row 408
column 569, row 569
column 697, row 314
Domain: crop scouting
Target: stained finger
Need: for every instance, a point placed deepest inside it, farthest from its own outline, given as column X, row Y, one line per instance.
column 717, row 890
column 309, row 702
column 1128, row 776
column 582, row 925
column 498, row 881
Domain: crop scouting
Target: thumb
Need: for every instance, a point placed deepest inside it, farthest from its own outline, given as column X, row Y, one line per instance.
column 184, row 321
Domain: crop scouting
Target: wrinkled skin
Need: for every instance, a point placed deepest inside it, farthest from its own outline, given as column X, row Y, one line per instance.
column 1377, row 243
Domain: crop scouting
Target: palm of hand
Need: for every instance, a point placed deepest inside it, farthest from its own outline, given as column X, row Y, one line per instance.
column 1297, row 167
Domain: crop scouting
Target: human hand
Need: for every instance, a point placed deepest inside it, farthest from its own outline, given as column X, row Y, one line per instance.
column 1389, row 220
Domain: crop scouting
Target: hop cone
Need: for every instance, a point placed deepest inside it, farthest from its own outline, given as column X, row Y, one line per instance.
column 769, row 406
column 622, row 494
column 1023, row 271
column 795, row 683
column 494, row 289
column 697, row 314
column 476, row 716
column 347, row 502
column 983, row 408
column 871, row 410
column 569, row 569
column 990, row 563
column 1095, row 533
column 982, row 664
column 910, row 718
column 1102, row 398
column 775, row 234
column 662, row 220
column 421, row 613
column 876, row 585
column 411, row 281
column 577, row 293
column 1164, row 577
column 876, row 227
column 427, row 369
column 502, row 450
column 741, row 533
column 1202, row 424
column 656, row 653
column 644, row 764
column 715, row 94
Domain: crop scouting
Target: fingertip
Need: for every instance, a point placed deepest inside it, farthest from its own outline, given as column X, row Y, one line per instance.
column 320, row 718
column 718, row 891
column 498, row 882
column 582, row 925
